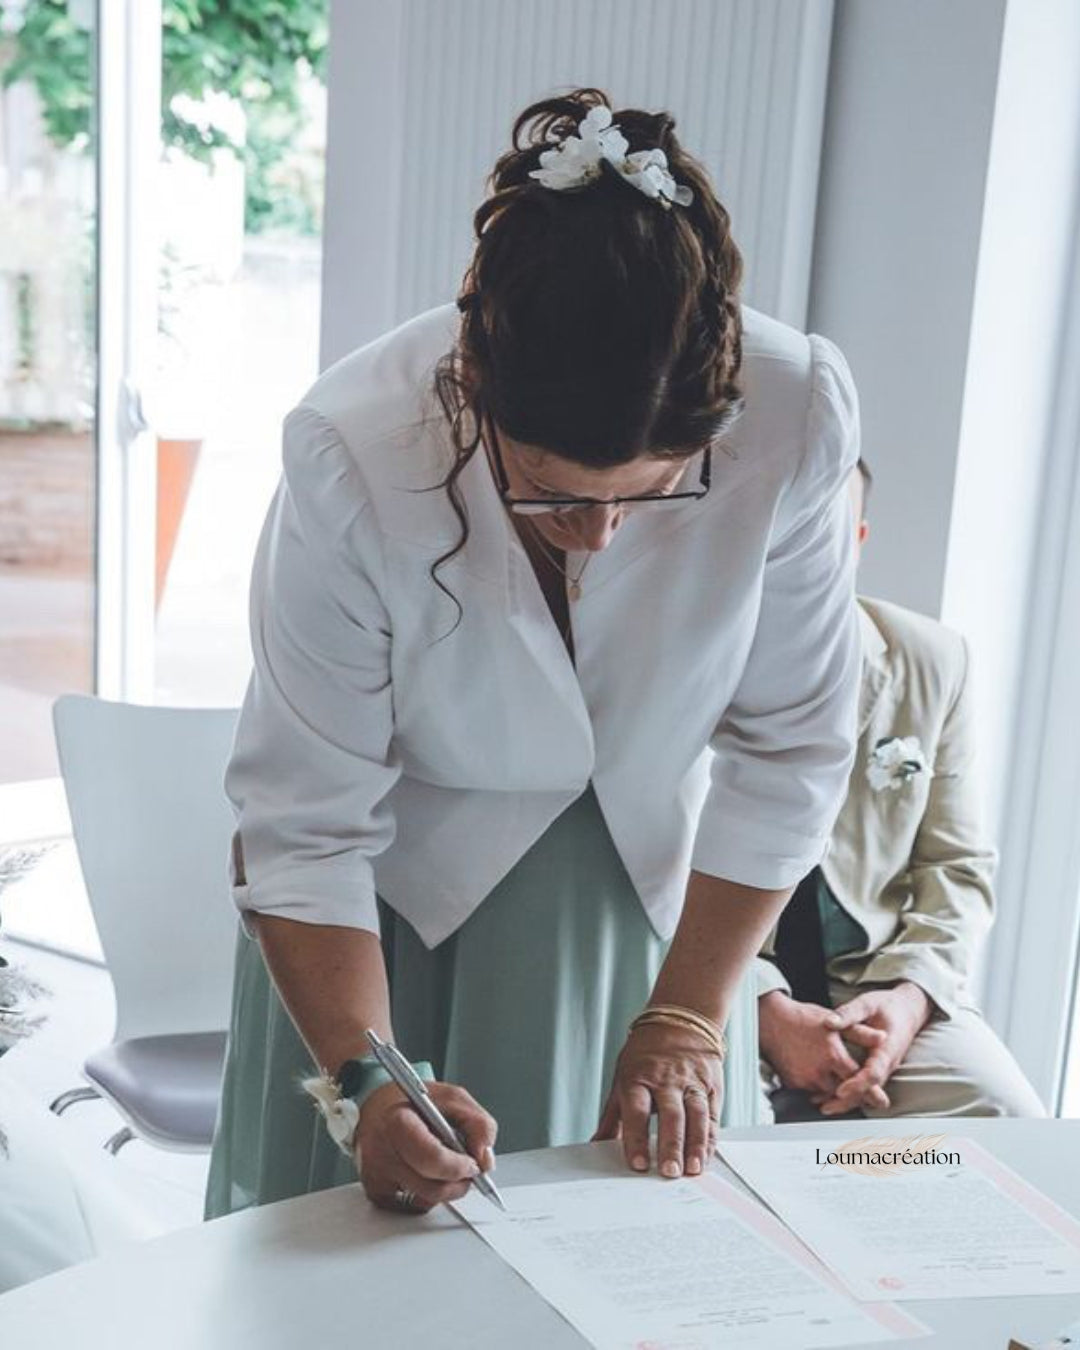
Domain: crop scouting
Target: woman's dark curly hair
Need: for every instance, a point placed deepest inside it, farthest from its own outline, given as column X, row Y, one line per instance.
column 595, row 323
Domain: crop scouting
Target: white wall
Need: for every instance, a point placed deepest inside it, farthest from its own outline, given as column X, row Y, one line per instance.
column 423, row 95
column 1014, row 508
column 1012, row 369
column 363, row 176
column 946, row 225
column 944, row 214
column 900, row 210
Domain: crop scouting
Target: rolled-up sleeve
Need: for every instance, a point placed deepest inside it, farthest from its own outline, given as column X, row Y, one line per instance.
column 783, row 751
column 312, row 761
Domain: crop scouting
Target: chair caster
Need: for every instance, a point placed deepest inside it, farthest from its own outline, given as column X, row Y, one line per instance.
column 119, row 1139
column 66, row 1099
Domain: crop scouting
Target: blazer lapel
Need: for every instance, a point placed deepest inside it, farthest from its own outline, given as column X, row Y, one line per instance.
column 496, row 552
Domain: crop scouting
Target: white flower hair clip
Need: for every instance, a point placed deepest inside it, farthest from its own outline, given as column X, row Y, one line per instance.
column 576, row 161
column 895, row 761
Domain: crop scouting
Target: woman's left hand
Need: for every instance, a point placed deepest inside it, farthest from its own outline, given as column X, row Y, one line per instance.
column 672, row 1072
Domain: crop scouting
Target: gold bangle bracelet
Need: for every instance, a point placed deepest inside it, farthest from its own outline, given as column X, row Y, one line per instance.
column 651, row 1017
column 660, row 1019
column 691, row 1016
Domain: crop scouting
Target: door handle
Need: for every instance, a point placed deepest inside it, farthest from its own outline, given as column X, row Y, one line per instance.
column 133, row 412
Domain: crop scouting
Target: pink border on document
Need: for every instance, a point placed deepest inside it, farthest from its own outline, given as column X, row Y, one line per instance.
column 1014, row 1185
column 887, row 1315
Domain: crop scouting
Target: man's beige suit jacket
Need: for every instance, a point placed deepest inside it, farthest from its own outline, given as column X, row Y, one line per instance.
column 911, row 865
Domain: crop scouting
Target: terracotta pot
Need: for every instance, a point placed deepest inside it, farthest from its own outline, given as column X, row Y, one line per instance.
column 176, row 461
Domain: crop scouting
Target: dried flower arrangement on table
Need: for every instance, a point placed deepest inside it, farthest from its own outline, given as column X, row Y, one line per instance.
column 17, row 989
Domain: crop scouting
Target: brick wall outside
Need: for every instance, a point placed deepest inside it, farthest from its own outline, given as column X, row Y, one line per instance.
column 47, row 500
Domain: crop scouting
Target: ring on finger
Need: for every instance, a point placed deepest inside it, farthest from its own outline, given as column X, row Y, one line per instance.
column 404, row 1198
column 695, row 1092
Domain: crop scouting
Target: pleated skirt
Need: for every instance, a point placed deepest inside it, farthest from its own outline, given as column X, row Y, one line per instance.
column 526, row 1005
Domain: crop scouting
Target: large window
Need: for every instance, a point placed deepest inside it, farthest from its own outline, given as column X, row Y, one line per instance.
column 161, row 187
column 238, row 193
column 239, row 306
column 48, row 259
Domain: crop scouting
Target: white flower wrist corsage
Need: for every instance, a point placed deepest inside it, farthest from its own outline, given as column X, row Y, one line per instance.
column 895, row 761
column 342, row 1115
column 339, row 1100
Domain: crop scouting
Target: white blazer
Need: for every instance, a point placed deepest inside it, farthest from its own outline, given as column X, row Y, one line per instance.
column 388, row 745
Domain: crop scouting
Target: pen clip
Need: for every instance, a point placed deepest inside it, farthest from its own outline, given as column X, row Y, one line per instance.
column 407, row 1070
column 384, row 1051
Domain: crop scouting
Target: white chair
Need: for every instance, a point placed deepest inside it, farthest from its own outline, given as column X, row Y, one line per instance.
column 152, row 828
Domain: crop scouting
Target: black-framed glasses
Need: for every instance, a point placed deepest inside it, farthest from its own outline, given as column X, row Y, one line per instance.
column 538, row 506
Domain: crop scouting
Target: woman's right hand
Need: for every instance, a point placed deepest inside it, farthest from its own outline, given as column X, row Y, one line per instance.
column 395, row 1152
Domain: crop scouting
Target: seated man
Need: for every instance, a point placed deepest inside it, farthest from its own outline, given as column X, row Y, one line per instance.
column 863, row 985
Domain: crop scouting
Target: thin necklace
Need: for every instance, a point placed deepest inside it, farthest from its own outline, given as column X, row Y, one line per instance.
column 573, row 584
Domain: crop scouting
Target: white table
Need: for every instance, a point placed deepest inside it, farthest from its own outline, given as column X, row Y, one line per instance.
column 329, row 1270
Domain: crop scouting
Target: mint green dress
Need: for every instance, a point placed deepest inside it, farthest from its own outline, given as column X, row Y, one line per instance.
column 526, row 1005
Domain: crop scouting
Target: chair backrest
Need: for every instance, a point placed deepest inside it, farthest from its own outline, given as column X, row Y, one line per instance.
column 152, row 827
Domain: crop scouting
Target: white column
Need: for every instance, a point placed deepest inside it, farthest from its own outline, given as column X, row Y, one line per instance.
column 129, row 104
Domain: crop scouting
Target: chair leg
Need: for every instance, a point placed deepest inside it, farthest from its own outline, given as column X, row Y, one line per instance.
column 66, row 1099
column 119, row 1139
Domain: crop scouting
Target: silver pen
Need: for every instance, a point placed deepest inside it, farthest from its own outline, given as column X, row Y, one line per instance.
column 414, row 1087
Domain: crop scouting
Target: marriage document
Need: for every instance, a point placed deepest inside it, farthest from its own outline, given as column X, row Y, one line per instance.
column 689, row 1264
column 960, row 1225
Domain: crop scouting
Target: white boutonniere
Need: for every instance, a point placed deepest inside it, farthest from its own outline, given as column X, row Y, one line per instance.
column 895, row 761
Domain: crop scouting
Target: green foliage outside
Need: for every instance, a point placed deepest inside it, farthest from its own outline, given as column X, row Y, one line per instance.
column 256, row 51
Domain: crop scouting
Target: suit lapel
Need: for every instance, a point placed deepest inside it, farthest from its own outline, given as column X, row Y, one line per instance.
column 846, row 859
